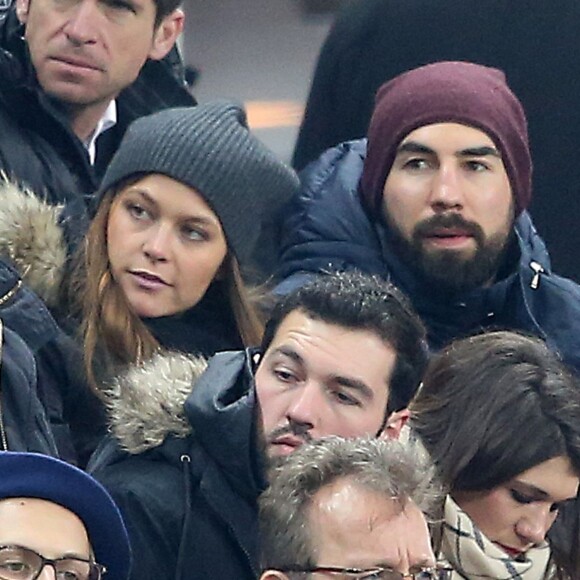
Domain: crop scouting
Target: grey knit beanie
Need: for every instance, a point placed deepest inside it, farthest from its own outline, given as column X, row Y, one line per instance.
column 209, row 148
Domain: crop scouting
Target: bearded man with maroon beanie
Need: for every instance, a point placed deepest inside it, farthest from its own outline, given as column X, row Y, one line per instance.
column 434, row 199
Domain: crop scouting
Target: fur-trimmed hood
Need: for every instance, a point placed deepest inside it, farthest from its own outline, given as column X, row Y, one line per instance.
column 191, row 501
column 32, row 239
column 174, row 396
column 146, row 403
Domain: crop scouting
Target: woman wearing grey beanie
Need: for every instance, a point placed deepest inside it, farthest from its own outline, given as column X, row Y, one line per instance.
column 181, row 208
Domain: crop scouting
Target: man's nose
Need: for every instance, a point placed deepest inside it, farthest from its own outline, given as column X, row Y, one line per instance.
column 47, row 573
column 534, row 525
column 305, row 406
column 80, row 27
column 446, row 188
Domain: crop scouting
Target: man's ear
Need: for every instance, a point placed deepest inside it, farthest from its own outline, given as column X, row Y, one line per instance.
column 22, row 7
column 395, row 423
column 273, row 575
column 166, row 34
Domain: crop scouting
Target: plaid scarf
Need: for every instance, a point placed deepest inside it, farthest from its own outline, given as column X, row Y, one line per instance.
column 473, row 556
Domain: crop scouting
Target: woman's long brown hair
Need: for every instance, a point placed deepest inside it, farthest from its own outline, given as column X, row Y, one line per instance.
column 112, row 333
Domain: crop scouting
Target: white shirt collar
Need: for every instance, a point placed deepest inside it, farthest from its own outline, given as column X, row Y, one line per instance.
column 108, row 120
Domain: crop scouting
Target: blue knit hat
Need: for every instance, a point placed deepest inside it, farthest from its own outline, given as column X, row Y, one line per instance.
column 39, row 476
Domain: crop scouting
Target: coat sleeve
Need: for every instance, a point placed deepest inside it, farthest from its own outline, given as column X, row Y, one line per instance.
column 23, row 417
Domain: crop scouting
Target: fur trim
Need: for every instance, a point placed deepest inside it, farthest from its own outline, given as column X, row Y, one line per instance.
column 146, row 402
column 32, row 239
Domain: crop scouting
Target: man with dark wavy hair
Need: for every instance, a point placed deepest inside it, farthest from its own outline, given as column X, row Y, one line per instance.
column 342, row 356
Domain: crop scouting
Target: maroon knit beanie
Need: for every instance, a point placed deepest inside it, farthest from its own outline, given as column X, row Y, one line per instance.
column 457, row 92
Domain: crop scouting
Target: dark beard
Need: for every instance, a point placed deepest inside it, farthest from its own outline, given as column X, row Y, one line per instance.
column 448, row 271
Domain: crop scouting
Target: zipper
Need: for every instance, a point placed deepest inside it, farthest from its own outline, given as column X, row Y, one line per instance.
column 10, row 294
column 538, row 270
column 3, row 438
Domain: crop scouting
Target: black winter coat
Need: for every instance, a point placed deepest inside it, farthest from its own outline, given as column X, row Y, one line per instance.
column 39, row 150
column 189, row 480
column 535, row 43
column 326, row 229
column 59, row 384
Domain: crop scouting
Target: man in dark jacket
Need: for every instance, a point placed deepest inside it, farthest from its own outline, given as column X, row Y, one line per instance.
column 435, row 202
column 373, row 41
column 341, row 356
column 72, row 81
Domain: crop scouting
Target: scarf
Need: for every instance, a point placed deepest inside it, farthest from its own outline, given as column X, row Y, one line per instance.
column 206, row 328
column 472, row 555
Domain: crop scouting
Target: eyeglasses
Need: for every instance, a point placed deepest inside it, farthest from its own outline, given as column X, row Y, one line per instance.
column 18, row 563
column 377, row 573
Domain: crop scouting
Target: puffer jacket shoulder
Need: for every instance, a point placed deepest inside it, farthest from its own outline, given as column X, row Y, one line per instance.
column 33, row 263
column 326, row 228
column 548, row 305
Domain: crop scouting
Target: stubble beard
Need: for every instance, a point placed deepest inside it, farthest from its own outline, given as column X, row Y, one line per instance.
column 274, row 462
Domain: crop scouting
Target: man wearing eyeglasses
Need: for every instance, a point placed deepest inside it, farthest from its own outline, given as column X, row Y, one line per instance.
column 347, row 509
column 340, row 356
column 55, row 516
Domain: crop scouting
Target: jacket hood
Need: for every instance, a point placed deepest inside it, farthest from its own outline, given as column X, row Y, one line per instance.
column 177, row 395
column 145, row 403
column 31, row 238
column 222, row 410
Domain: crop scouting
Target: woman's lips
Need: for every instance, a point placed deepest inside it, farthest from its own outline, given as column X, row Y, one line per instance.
column 148, row 281
column 513, row 552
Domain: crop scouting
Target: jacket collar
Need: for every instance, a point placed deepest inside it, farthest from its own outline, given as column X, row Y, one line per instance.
column 223, row 409
column 450, row 316
column 173, row 396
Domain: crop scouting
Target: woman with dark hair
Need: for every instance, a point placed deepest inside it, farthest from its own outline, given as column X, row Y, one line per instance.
column 181, row 208
column 500, row 416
